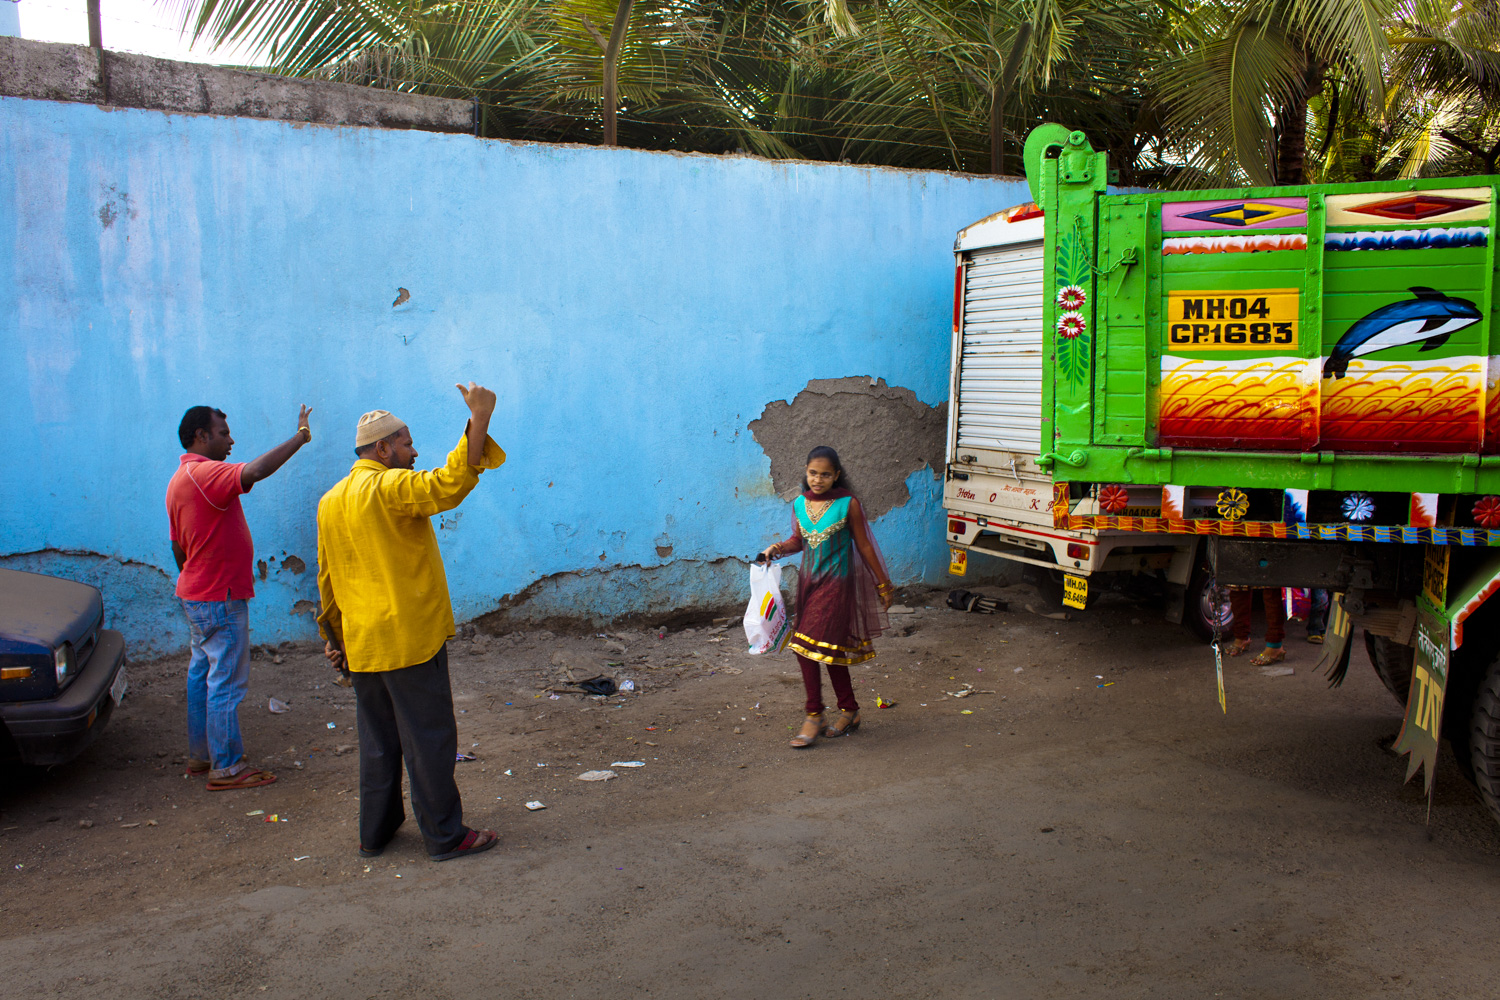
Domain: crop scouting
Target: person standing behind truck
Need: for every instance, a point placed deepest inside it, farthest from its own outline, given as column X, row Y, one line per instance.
column 387, row 618
column 212, row 546
column 1241, row 603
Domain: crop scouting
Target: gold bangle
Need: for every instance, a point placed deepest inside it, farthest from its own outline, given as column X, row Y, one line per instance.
column 306, row 433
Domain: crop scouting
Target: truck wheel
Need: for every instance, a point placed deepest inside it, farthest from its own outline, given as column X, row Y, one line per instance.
column 1393, row 662
column 1484, row 739
column 1207, row 606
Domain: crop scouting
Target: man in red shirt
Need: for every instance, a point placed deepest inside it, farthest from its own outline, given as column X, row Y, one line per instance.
column 211, row 543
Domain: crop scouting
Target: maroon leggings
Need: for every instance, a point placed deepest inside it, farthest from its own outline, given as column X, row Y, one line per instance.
column 838, row 676
column 1240, row 602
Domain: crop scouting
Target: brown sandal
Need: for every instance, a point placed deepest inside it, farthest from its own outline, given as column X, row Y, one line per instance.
column 248, row 777
column 1238, row 647
column 847, row 722
column 197, row 768
column 808, row 734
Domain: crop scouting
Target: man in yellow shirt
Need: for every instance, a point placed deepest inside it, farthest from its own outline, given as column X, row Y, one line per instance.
column 387, row 617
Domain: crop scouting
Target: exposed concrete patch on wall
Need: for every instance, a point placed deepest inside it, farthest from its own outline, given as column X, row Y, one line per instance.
column 606, row 595
column 293, row 564
column 882, row 433
column 59, row 72
column 139, row 599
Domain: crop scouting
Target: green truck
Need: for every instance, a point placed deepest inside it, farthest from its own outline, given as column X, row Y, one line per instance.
column 1307, row 379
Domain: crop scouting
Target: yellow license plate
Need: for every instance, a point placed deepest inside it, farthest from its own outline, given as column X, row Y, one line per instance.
column 958, row 561
column 1075, row 591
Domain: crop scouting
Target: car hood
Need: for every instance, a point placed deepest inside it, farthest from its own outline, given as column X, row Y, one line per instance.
column 46, row 609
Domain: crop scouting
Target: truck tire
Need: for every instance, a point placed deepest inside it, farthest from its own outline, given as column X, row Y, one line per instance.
column 1392, row 662
column 1484, row 739
column 1206, row 604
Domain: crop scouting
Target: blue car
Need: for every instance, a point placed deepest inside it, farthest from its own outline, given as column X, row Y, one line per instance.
column 61, row 673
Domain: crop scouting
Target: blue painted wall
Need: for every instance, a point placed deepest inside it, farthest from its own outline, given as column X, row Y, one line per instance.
column 634, row 311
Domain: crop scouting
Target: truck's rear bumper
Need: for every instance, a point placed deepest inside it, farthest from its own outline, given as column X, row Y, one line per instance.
column 1081, row 553
column 58, row 729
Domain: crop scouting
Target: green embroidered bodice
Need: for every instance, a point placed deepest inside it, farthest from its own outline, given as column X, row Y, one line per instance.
column 826, row 540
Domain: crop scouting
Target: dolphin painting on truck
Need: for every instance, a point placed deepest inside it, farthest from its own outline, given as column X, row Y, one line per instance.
column 1426, row 321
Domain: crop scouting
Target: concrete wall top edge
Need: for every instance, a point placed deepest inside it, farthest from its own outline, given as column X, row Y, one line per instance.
column 59, row 72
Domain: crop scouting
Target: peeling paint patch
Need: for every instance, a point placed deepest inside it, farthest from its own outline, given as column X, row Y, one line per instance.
column 882, row 433
column 305, row 608
column 293, row 564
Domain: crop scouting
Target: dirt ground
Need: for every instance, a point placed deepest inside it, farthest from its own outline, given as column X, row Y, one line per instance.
column 1086, row 824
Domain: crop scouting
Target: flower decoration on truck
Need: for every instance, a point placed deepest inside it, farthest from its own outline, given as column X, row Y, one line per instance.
column 1070, row 326
column 1073, row 269
column 1487, row 512
column 1233, row 504
column 1113, row 498
column 1358, row 507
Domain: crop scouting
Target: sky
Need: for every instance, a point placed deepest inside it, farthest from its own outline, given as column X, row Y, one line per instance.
column 145, row 26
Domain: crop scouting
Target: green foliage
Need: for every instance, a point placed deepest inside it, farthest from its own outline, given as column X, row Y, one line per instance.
column 1178, row 92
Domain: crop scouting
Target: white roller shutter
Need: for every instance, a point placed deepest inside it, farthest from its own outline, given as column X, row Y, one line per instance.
column 1000, row 373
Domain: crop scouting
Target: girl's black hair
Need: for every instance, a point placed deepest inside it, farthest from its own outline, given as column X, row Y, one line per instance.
column 823, row 451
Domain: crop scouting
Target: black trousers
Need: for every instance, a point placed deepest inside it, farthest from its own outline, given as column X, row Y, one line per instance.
column 407, row 714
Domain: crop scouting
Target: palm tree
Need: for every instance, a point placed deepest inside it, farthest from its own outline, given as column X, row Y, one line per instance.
column 1242, row 75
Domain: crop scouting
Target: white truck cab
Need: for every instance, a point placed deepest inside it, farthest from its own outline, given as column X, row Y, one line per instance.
column 998, row 497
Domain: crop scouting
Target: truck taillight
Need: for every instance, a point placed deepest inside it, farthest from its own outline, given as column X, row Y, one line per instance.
column 958, row 295
column 955, row 527
column 1077, row 550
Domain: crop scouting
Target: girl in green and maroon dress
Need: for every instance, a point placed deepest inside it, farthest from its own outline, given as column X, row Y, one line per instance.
column 843, row 591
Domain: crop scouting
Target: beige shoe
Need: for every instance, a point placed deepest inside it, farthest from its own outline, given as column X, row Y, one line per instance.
column 806, row 736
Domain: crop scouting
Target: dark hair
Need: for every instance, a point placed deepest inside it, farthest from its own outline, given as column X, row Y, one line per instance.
column 197, row 418
column 823, row 451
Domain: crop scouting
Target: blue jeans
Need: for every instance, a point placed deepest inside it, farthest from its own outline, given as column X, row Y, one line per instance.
column 217, row 676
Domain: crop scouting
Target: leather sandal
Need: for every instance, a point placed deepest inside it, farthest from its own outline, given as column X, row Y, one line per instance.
column 808, row 734
column 847, row 722
column 474, row 842
column 1268, row 656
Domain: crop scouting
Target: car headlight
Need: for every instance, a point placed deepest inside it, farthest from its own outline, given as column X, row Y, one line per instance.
column 62, row 659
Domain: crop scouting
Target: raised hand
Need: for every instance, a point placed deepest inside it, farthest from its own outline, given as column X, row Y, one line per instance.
column 480, row 401
column 302, row 424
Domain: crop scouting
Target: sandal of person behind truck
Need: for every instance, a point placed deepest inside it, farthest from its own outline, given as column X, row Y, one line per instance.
column 197, row 768
column 1238, row 647
column 1268, row 656
column 245, row 777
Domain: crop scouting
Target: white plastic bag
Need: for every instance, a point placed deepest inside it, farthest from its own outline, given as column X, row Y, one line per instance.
column 767, row 625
